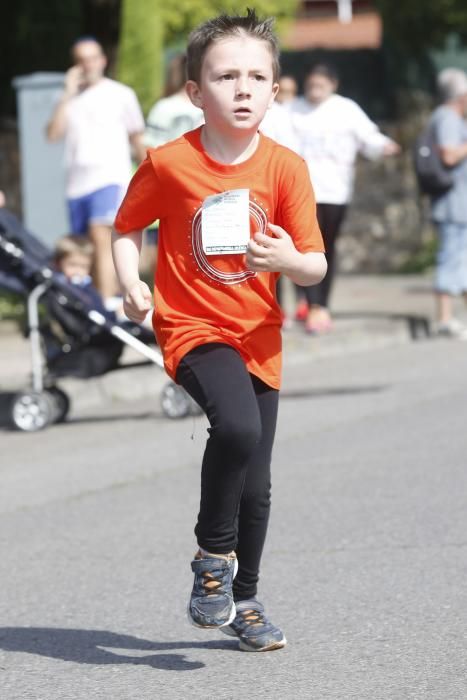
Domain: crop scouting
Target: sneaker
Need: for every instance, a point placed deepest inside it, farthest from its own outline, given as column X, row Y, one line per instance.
column 318, row 321
column 211, row 603
column 318, row 326
column 254, row 631
column 452, row 329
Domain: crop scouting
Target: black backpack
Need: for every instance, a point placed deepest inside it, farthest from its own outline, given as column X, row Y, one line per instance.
column 434, row 178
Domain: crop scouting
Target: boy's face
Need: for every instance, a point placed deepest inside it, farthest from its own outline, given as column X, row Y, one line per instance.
column 236, row 86
column 75, row 265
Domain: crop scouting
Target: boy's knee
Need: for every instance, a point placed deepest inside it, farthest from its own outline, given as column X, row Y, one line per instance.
column 256, row 499
column 238, row 436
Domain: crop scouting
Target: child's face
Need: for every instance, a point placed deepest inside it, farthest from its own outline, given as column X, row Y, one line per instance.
column 287, row 90
column 318, row 88
column 236, row 86
column 75, row 265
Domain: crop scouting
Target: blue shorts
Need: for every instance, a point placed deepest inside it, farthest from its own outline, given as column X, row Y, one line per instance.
column 99, row 207
column 152, row 234
column 451, row 262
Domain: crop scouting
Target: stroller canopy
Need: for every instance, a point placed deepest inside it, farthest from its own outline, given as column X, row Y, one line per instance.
column 19, row 274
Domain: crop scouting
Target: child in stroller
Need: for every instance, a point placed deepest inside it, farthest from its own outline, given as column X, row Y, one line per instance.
column 73, row 336
column 96, row 353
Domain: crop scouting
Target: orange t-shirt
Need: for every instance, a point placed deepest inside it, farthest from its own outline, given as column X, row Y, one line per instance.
column 202, row 299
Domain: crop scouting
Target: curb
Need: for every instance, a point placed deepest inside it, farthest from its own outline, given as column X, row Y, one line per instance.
column 353, row 333
column 146, row 382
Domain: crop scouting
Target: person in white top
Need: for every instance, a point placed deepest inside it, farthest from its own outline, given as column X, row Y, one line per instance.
column 331, row 131
column 170, row 117
column 277, row 123
column 102, row 123
column 174, row 114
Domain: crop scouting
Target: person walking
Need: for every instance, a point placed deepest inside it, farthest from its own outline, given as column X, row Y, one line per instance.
column 236, row 210
column 101, row 122
column 331, row 131
column 449, row 208
column 277, row 124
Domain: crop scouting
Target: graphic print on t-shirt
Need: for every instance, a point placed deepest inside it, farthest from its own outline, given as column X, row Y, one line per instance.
column 238, row 272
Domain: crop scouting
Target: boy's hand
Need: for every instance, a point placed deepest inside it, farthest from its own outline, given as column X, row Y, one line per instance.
column 268, row 254
column 137, row 301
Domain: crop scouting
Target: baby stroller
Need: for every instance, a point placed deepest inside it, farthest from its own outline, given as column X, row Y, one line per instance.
column 66, row 335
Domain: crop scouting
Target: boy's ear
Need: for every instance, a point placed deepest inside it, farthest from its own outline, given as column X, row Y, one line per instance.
column 194, row 93
column 275, row 90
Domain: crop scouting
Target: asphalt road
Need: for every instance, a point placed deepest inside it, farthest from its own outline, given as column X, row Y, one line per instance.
column 365, row 566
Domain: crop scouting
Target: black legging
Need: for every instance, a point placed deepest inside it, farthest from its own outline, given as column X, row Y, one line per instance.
column 236, row 473
column 330, row 217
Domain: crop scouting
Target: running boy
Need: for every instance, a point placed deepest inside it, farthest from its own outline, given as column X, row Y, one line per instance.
column 216, row 317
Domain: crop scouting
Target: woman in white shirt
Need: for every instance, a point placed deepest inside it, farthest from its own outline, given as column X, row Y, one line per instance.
column 331, row 131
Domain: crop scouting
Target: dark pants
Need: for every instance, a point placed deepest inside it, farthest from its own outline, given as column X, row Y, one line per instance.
column 236, row 473
column 330, row 217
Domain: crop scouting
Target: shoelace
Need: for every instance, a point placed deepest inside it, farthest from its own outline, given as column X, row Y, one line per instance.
column 212, row 582
column 253, row 617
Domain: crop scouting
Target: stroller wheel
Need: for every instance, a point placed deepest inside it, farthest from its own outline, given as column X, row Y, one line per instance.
column 60, row 404
column 176, row 403
column 31, row 411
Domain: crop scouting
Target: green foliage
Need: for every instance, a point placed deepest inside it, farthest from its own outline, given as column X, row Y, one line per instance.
column 418, row 25
column 148, row 25
column 12, row 307
column 423, row 260
column 140, row 50
column 184, row 15
column 35, row 36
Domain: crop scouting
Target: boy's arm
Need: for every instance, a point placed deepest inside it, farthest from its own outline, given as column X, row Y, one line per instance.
column 137, row 297
column 278, row 254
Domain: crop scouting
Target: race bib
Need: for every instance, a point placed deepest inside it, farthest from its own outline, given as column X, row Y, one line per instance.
column 225, row 222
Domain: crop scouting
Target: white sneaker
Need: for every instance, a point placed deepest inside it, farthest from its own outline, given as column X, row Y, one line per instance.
column 452, row 329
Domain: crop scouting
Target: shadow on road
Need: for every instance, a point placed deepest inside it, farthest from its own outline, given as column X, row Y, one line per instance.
column 6, row 399
column 332, row 391
column 77, row 421
column 99, row 647
column 418, row 326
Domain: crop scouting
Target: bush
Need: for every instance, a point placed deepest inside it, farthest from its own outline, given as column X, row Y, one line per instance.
column 12, row 307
